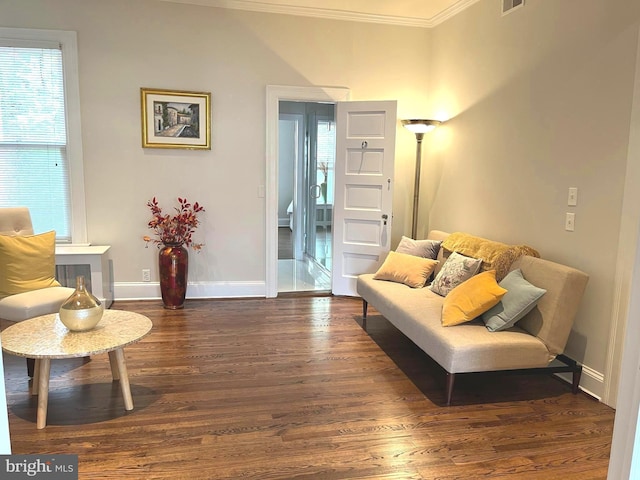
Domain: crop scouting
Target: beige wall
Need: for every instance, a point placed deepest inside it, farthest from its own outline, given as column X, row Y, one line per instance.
column 127, row 44
column 539, row 101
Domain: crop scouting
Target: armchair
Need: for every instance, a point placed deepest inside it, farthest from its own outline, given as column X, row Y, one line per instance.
column 27, row 287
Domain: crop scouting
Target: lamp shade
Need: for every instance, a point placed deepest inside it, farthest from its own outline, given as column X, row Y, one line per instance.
column 420, row 126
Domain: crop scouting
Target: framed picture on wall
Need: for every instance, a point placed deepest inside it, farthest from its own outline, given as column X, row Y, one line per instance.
column 175, row 119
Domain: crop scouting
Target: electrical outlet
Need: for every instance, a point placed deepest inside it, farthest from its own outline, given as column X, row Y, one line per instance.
column 570, row 222
column 146, row 275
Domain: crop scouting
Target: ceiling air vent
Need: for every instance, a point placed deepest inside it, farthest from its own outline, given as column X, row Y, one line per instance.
column 509, row 6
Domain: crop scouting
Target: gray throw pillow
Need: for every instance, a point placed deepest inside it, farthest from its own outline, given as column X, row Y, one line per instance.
column 419, row 248
column 455, row 270
column 519, row 300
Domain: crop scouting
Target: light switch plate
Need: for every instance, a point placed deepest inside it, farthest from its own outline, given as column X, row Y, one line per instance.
column 570, row 222
column 573, row 197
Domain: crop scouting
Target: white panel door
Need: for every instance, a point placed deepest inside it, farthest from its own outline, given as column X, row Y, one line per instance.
column 365, row 148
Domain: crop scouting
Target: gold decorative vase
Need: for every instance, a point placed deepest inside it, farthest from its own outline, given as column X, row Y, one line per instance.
column 81, row 311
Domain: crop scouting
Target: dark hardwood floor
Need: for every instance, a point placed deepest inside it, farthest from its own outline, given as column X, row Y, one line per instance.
column 293, row 388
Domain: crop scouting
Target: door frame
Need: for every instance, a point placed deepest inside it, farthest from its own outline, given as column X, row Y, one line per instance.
column 622, row 372
column 276, row 93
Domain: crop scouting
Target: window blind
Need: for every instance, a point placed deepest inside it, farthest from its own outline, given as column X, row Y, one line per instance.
column 34, row 165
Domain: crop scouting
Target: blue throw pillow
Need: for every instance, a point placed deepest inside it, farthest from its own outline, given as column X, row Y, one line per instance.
column 519, row 300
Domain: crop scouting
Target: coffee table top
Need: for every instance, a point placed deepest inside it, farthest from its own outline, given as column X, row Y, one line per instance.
column 47, row 337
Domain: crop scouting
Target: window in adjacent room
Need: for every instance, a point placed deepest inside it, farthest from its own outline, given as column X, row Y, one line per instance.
column 40, row 146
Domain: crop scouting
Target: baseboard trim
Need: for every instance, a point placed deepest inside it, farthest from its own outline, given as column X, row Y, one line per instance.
column 591, row 382
column 151, row 290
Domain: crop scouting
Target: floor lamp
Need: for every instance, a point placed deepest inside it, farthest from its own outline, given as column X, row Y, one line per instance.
column 419, row 127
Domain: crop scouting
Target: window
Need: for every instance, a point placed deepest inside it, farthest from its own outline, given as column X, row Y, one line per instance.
column 326, row 154
column 40, row 142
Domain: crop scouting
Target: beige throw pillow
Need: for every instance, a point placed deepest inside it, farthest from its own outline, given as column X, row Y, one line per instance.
column 404, row 268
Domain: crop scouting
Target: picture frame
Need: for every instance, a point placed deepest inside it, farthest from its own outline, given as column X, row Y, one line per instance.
column 175, row 119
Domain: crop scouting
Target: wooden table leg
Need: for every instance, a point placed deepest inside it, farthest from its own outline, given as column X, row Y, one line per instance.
column 44, row 371
column 124, row 378
column 114, row 365
column 36, row 377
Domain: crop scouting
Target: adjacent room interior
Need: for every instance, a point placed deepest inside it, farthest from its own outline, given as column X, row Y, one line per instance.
column 306, row 158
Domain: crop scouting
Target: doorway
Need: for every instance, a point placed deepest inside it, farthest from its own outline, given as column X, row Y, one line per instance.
column 306, row 159
column 276, row 94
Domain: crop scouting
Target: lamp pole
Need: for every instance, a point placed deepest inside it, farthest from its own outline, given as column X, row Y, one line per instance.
column 416, row 185
column 419, row 127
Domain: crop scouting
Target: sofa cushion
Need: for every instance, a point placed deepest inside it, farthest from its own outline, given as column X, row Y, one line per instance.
column 404, row 268
column 27, row 263
column 471, row 299
column 469, row 347
column 455, row 270
column 419, row 248
column 23, row 306
column 520, row 299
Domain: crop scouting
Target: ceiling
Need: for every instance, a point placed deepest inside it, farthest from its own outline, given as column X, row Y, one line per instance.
column 416, row 13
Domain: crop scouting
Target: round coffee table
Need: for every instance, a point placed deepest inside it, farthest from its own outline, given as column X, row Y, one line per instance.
column 44, row 338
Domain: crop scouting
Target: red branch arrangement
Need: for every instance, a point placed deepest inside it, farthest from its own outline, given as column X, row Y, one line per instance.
column 176, row 229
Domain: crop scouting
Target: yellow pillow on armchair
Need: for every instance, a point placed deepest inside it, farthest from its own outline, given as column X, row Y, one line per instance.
column 27, row 263
column 471, row 299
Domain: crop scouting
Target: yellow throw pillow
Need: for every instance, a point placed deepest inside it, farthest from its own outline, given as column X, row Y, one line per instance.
column 471, row 299
column 404, row 268
column 27, row 263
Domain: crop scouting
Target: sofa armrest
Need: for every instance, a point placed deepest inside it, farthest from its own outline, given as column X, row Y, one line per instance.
column 553, row 317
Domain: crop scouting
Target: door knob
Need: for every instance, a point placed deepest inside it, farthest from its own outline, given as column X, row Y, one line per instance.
column 317, row 192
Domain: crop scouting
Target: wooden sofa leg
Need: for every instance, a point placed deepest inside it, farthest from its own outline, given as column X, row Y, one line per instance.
column 451, row 378
column 365, row 306
column 30, row 366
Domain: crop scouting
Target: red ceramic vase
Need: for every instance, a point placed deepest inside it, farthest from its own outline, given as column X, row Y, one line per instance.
column 173, row 262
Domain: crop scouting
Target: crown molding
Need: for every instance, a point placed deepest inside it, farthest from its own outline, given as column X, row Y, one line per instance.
column 332, row 14
column 451, row 11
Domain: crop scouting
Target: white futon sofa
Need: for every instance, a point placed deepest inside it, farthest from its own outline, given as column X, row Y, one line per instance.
column 533, row 343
